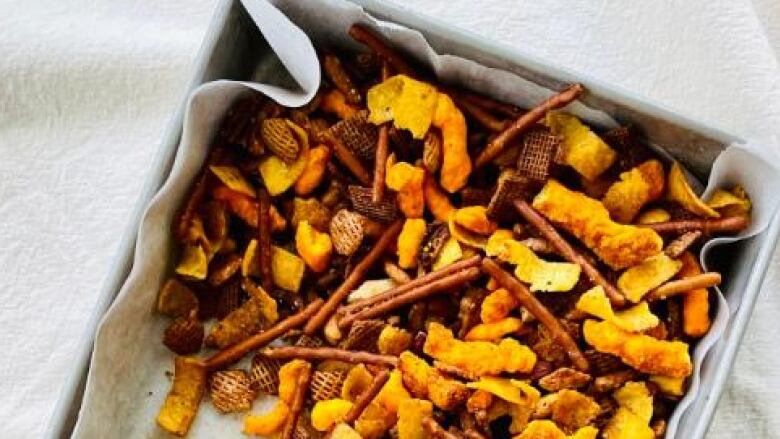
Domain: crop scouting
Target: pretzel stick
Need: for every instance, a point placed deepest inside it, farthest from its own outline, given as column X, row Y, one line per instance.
column 671, row 288
column 480, row 115
column 299, row 398
column 538, row 310
column 349, row 160
column 233, row 353
column 380, row 157
column 681, row 244
column 568, row 252
column 361, row 34
column 734, row 224
column 368, row 395
column 437, row 431
column 327, row 353
column 526, row 121
column 340, row 78
column 355, row 277
column 489, row 104
column 445, row 284
column 264, row 239
column 401, row 289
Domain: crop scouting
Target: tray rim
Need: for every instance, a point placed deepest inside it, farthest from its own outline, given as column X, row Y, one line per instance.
column 62, row 419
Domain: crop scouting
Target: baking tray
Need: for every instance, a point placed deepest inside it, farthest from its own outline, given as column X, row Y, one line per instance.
column 234, row 49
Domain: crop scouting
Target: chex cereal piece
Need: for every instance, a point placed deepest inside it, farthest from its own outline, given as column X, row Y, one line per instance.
column 347, row 230
column 358, row 135
column 384, row 211
column 231, row 391
column 363, row 336
column 184, row 336
column 511, row 185
column 327, row 384
column 539, row 152
column 264, row 374
column 279, row 138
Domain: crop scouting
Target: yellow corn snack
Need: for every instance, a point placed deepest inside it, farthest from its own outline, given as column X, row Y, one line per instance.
column 410, row 416
column 510, row 390
column 267, row 423
column 730, row 203
column 497, row 305
column 328, row 413
column 287, row 269
column 494, row 331
column 618, row 245
column 344, row 431
column 680, row 191
column 642, row 352
column 393, row 341
column 279, row 176
column 546, row 429
column 181, row 403
column 314, row 247
column 409, row 242
column 478, row 357
column 408, row 181
column 450, row 252
column 456, row 164
column 194, row 263
column 653, row 216
column 409, row 103
column 635, row 319
column 583, row 150
column 542, row 275
column 640, row 279
column 637, row 187
column 358, row 379
column 475, row 219
column 635, row 408
column 424, row 381
column 393, row 393
column 669, row 385
column 231, row 177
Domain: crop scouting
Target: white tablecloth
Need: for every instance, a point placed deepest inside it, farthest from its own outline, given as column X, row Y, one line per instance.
column 87, row 86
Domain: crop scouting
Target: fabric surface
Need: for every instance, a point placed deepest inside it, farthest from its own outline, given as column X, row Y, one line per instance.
column 88, row 85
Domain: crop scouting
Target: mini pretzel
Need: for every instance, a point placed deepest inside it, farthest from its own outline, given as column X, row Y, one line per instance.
column 680, row 286
column 448, row 283
column 264, row 240
column 526, row 121
column 326, row 353
column 532, row 304
column 181, row 223
column 355, row 277
column 568, row 252
column 382, row 148
column 734, row 224
column 681, row 244
column 488, row 104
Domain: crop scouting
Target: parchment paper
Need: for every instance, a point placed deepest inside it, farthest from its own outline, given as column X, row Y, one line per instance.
column 127, row 381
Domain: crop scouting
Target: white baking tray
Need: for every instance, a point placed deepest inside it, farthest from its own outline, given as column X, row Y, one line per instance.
column 234, row 49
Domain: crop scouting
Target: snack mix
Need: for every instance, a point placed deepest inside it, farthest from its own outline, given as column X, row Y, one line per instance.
column 436, row 264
